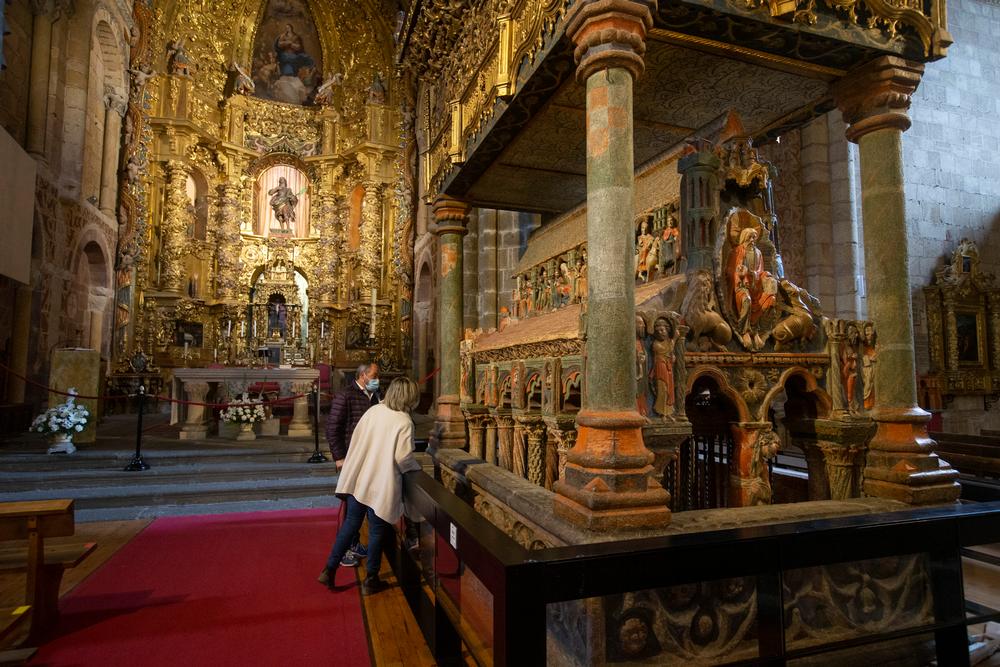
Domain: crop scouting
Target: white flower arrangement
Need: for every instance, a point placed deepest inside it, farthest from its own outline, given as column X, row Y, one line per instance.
column 67, row 417
column 244, row 410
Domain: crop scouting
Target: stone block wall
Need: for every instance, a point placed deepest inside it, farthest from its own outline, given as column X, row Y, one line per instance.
column 952, row 161
column 14, row 79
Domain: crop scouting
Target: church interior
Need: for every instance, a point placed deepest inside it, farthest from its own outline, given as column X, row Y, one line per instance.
column 700, row 297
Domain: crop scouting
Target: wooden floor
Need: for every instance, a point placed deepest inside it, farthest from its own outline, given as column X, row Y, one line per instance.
column 394, row 637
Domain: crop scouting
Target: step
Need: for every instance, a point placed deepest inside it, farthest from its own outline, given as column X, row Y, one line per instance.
column 131, row 496
column 147, row 512
column 158, row 473
column 104, row 459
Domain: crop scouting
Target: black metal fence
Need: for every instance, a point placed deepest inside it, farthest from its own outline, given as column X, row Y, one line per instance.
column 472, row 586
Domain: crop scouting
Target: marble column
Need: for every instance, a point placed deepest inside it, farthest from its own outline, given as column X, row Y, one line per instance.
column 450, row 216
column 519, row 452
column 608, row 481
column 114, row 110
column 477, row 435
column 300, row 425
column 901, row 462
column 505, row 442
column 491, row 441
column 534, row 434
column 38, row 83
column 20, row 340
column 196, row 424
column 173, row 228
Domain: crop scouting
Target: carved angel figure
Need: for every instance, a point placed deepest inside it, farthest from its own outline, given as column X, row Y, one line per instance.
column 140, row 75
column 178, row 60
column 242, row 81
column 324, row 94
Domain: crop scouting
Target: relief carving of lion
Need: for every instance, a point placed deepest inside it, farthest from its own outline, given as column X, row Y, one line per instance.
column 709, row 331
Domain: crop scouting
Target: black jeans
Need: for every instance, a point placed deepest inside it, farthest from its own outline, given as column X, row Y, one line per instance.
column 378, row 530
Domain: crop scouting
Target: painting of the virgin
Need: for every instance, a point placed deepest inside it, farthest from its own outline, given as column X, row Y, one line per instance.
column 287, row 58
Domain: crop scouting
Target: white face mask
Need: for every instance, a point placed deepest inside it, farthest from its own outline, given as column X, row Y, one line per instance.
column 372, row 385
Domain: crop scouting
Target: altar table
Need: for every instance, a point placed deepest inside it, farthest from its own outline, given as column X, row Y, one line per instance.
column 192, row 384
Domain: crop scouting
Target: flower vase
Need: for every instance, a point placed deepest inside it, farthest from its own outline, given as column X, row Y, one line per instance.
column 61, row 443
column 246, row 431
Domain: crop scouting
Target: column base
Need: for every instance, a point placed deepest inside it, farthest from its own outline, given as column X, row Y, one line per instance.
column 901, row 463
column 192, row 434
column 299, row 431
column 449, row 423
column 608, row 483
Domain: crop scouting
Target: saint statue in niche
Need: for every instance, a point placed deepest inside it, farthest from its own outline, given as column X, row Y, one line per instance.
column 283, row 203
column 662, row 373
column 753, row 288
column 645, row 252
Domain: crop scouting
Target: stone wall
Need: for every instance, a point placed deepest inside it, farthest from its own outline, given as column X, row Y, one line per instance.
column 14, row 79
column 952, row 158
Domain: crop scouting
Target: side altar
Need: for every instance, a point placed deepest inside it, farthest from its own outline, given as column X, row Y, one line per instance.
column 195, row 385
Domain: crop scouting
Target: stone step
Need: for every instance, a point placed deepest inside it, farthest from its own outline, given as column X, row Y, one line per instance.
column 149, row 512
column 103, row 459
column 128, row 495
column 197, row 471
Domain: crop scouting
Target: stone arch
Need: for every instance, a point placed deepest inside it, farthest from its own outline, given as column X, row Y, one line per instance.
column 722, row 382
column 106, row 95
column 818, row 394
column 93, row 284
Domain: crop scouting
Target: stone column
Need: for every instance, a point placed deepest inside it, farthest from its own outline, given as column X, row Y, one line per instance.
column 818, row 485
column 491, row 440
column 173, row 228
column 451, row 216
column 20, row 340
column 519, row 452
column 534, row 433
column 114, row 110
column 195, row 425
column 754, row 443
column 300, row 426
column 38, row 83
column 608, row 479
column 505, row 442
column 901, row 461
column 477, row 434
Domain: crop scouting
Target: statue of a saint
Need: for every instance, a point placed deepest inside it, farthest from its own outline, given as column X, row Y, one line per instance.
column 645, row 252
column 849, row 367
column 670, row 247
column 641, row 371
column 868, row 361
column 662, row 372
column 283, row 203
column 753, row 289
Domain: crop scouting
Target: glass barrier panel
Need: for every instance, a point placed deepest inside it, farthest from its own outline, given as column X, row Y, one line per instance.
column 981, row 580
column 916, row 651
column 709, row 622
column 465, row 599
column 831, row 603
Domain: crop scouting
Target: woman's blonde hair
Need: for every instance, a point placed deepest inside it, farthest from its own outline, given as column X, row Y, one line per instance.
column 403, row 395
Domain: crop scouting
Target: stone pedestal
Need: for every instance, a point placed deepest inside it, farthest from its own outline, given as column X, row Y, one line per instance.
column 664, row 440
column 608, row 483
column 843, row 444
column 270, row 428
column 901, row 463
column 80, row 369
column 300, row 426
column 196, row 423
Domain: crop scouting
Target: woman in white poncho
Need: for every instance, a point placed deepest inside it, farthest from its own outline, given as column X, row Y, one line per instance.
column 371, row 481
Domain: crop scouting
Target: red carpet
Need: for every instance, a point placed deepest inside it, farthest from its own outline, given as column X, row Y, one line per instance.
column 228, row 589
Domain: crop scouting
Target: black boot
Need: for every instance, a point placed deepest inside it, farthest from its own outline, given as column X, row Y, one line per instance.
column 373, row 585
column 328, row 578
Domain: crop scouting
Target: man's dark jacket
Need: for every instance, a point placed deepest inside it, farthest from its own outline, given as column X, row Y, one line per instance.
column 345, row 412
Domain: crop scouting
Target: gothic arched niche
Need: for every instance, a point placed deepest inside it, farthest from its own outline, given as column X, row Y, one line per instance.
column 287, row 63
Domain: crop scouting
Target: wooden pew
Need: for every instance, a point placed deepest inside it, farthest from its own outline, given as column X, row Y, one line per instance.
column 977, row 459
column 34, row 521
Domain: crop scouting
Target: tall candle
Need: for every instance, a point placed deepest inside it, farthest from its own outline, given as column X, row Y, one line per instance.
column 243, row 329
column 255, row 328
column 322, row 329
column 373, row 299
column 185, row 349
column 229, row 328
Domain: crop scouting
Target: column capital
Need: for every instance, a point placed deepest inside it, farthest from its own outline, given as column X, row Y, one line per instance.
column 451, row 215
column 876, row 95
column 610, row 33
column 114, row 100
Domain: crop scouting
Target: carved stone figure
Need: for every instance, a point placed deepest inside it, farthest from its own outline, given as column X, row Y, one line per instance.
column 752, row 289
column 377, row 94
column 849, row 367
column 868, row 361
column 645, row 252
column 765, row 447
column 283, row 203
column 798, row 325
column 662, row 372
column 564, row 284
column 580, row 280
column 641, row 365
column 542, row 291
column 708, row 329
column 140, row 75
column 670, row 246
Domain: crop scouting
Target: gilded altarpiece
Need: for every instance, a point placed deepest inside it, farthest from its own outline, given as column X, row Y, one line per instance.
column 273, row 208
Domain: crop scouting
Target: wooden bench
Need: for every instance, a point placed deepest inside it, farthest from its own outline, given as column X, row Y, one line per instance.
column 34, row 521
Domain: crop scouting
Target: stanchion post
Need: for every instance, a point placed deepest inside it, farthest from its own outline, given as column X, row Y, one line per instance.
column 137, row 464
column 317, row 456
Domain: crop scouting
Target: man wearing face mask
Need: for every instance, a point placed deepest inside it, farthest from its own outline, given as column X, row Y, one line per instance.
column 346, row 409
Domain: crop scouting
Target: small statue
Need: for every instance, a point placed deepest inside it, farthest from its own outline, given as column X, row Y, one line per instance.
column 798, row 325
column 709, row 330
column 849, row 367
column 134, row 168
column 670, row 247
column 641, row 364
column 580, row 280
column 178, row 60
column 662, row 372
column 868, row 360
column 543, row 300
column 753, row 290
column 645, row 251
column 140, row 75
column 324, row 93
column 377, row 93
column 283, row 203
column 242, row 82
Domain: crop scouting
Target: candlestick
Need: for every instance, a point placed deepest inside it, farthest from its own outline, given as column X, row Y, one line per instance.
column 185, row 349
column 322, row 329
column 373, row 299
column 229, row 328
